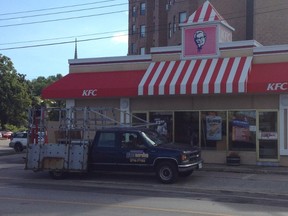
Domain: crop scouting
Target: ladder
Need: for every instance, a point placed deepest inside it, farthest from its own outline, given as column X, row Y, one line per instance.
column 76, row 123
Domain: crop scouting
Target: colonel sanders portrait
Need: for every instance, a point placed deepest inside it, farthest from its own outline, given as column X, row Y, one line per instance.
column 200, row 39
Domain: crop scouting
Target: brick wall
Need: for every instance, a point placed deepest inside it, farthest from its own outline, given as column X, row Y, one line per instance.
column 269, row 28
column 271, row 22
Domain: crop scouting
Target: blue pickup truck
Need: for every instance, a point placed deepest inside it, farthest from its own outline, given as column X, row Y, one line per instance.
column 121, row 149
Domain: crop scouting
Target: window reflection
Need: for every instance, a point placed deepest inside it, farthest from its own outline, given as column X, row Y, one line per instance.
column 242, row 130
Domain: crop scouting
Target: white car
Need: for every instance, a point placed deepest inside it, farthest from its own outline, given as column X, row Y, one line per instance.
column 19, row 140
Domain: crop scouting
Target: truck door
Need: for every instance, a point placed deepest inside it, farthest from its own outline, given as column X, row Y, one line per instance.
column 104, row 151
column 134, row 152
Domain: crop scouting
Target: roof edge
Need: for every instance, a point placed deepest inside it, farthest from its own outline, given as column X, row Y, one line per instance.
column 115, row 59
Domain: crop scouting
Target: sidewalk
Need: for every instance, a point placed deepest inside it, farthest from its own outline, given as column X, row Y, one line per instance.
column 246, row 169
column 4, row 147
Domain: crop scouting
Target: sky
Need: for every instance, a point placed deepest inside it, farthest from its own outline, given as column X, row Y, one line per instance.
column 39, row 35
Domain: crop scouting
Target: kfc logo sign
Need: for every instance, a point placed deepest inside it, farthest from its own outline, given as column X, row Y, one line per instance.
column 89, row 93
column 277, row 86
column 200, row 39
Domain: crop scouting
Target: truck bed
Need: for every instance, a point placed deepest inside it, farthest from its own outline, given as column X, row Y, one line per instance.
column 72, row 157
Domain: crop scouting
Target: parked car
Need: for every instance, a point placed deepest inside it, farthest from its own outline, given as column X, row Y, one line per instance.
column 19, row 141
column 7, row 134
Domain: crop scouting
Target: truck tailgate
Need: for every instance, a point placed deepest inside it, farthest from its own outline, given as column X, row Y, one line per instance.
column 65, row 157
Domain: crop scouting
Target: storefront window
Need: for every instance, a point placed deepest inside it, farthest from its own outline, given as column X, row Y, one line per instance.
column 139, row 119
column 187, row 128
column 242, row 130
column 268, row 135
column 213, row 130
column 164, row 123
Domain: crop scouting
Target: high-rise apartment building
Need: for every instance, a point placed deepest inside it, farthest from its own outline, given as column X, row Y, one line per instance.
column 155, row 23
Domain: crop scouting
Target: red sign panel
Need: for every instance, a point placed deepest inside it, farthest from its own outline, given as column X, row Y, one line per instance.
column 95, row 84
column 272, row 78
column 200, row 41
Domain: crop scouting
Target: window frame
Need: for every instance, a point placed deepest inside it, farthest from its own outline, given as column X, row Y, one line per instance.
column 181, row 20
column 142, row 31
column 142, row 8
column 134, row 11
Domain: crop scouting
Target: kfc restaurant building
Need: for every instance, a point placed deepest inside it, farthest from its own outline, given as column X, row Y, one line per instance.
column 221, row 95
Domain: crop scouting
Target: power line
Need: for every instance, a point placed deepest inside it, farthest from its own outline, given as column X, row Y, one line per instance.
column 60, row 43
column 162, row 28
column 62, row 12
column 79, row 17
column 67, row 37
column 54, row 8
column 62, row 19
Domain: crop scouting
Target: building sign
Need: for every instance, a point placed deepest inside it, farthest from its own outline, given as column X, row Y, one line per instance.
column 277, row 86
column 200, row 41
column 89, row 93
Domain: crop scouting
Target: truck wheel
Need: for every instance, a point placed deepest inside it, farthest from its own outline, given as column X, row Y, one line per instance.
column 57, row 175
column 167, row 172
column 18, row 147
column 186, row 174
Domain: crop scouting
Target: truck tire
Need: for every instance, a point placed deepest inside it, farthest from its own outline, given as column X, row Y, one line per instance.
column 18, row 147
column 57, row 175
column 167, row 172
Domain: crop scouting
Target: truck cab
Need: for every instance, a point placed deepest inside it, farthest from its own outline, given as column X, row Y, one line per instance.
column 141, row 150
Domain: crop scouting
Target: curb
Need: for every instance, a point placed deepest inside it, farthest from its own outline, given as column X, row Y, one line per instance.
column 5, row 153
column 246, row 169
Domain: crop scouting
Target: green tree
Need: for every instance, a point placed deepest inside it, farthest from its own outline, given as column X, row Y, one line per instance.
column 37, row 85
column 15, row 95
column 41, row 82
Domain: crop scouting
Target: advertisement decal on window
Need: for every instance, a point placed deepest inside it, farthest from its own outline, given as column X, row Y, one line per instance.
column 214, row 128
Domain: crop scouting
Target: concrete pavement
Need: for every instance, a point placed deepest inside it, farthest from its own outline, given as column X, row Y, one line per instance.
column 4, row 147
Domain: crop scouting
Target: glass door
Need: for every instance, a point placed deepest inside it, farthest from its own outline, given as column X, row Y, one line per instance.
column 268, row 135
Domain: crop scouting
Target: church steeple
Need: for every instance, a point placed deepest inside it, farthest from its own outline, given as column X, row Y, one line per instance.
column 75, row 52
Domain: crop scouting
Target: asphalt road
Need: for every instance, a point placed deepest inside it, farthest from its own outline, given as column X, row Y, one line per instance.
column 24, row 192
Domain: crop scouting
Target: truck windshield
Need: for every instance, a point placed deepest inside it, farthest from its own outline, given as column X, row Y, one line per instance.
column 154, row 138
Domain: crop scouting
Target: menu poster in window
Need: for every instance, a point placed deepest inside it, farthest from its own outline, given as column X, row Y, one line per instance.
column 214, row 128
column 240, row 131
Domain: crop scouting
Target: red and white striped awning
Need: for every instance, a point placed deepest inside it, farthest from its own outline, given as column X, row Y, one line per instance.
column 201, row 76
column 204, row 14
